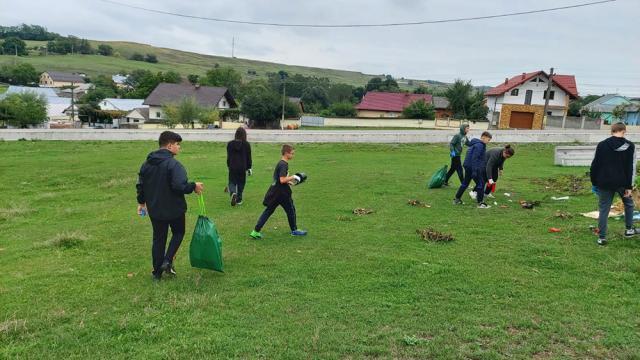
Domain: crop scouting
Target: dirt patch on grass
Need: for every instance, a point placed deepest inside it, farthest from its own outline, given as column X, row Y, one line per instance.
column 13, row 211
column 13, row 326
column 563, row 184
column 67, row 240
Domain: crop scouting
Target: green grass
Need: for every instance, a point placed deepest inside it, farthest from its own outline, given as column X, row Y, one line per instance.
column 75, row 262
column 181, row 61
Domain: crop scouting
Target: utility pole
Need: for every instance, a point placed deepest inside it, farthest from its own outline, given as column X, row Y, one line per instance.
column 233, row 47
column 73, row 110
column 284, row 97
column 546, row 98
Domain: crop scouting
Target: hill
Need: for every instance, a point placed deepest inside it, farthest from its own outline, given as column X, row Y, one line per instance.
column 183, row 62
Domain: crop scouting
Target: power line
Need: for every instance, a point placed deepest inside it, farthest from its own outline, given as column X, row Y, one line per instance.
column 412, row 23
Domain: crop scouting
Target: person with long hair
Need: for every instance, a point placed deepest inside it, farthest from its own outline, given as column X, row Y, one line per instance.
column 495, row 159
column 239, row 164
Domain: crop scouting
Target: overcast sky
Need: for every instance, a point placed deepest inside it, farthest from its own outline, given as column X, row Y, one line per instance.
column 599, row 44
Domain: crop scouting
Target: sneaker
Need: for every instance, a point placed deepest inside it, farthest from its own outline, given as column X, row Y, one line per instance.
column 256, row 234
column 239, row 202
column 602, row 242
column 483, row 206
column 473, row 195
column 630, row 232
column 457, row 202
column 234, row 199
column 165, row 267
column 490, row 196
column 171, row 270
column 298, row 232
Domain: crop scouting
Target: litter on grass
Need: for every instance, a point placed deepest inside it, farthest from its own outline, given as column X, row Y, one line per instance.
column 529, row 204
column 563, row 215
column 559, row 198
column 362, row 211
column 418, row 203
column 554, row 230
column 507, row 194
column 430, row 234
column 596, row 214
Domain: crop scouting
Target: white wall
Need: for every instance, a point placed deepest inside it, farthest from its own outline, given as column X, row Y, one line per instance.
column 153, row 110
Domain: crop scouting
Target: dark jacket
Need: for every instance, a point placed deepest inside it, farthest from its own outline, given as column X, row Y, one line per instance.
column 238, row 156
column 162, row 184
column 613, row 166
column 475, row 156
column 458, row 140
column 495, row 162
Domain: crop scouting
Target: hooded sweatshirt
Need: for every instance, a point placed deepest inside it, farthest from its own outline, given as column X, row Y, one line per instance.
column 238, row 156
column 475, row 156
column 458, row 140
column 613, row 166
column 495, row 162
column 162, row 184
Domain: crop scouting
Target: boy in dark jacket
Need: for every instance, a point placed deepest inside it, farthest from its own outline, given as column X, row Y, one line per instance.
column 455, row 151
column 239, row 164
column 474, row 168
column 495, row 158
column 279, row 194
column 162, row 184
column 612, row 171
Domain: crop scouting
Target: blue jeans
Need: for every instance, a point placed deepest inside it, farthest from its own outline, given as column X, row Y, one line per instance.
column 605, row 201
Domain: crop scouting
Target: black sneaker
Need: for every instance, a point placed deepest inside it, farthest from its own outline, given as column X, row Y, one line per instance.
column 630, row 232
column 602, row 242
column 234, row 199
column 171, row 270
column 457, row 202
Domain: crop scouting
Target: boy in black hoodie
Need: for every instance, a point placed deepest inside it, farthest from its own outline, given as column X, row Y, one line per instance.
column 162, row 184
column 239, row 164
column 613, row 171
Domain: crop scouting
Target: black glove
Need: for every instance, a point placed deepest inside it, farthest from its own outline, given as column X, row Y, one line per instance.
column 302, row 176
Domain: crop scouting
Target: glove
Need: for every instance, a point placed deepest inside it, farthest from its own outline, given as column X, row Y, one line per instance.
column 249, row 172
column 302, row 176
column 453, row 153
column 491, row 182
column 296, row 180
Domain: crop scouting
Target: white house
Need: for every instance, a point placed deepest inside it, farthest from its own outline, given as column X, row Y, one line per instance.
column 519, row 101
column 207, row 96
column 121, row 104
column 135, row 117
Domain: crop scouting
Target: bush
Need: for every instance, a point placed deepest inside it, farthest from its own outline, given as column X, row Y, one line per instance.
column 419, row 110
column 151, row 58
column 105, row 50
column 136, row 57
column 340, row 109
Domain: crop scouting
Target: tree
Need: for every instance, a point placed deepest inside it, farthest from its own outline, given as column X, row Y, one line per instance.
column 223, row 76
column 209, row 116
column 151, row 58
column 262, row 107
column 105, row 50
column 459, row 96
column 136, row 57
column 27, row 32
column 186, row 112
column 477, row 108
column 24, row 109
column 340, row 109
column 340, row 93
column 619, row 112
column 315, row 99
column 193, row 78
column 388, row 84
column 423, row 90
column 142, row 82
column 14, row 46
column 419, row 110
column 19, row 74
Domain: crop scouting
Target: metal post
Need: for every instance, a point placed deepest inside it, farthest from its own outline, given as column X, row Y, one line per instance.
column 546, row 100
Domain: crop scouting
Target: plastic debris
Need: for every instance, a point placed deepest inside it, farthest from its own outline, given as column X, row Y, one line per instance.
column 507, row 194
column 554, row 230
column 560, row 198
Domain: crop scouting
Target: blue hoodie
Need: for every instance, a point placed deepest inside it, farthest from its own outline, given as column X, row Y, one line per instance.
column 475, row 155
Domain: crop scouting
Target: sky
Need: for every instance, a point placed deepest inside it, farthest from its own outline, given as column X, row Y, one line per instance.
column 599, row 44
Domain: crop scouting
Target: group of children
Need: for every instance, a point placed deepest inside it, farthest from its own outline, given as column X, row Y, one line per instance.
column 163, row 182
column 480, row 165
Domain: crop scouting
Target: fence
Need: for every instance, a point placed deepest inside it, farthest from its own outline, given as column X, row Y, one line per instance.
column 573, row 122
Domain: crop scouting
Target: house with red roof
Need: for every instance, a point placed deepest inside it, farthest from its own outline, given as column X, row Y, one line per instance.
column 387, row 105
column 518, row 103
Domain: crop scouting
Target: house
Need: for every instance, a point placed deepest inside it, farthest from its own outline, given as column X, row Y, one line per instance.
column 207, row 96
column 519, row 102
column 135, row 117
column 442, row 107
column 58, row 108
column 120, row 81
column 387, row 105
column 114, row 104
column 605, row 105
column 58, row 79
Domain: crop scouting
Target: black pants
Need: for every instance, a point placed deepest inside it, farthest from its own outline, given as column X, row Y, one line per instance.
column 160, row 232
column 237, row 180
column 287, row 204
column 456, row 166
column 478, row 180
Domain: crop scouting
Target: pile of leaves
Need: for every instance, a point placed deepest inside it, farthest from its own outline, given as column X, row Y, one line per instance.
column 529, row 204
column 362, row 211
column 562, row 184
column 563, row 215
column 418, row 203
column 430, row 234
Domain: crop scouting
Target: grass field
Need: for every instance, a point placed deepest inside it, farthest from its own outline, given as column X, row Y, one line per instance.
column 75, row 262
column 169, row 59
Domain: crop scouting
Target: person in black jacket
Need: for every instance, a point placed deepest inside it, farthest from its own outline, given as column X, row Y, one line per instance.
column 495, row 159
column 239, row 164
column 474, row 168
column 613, row 171
column 162, row 184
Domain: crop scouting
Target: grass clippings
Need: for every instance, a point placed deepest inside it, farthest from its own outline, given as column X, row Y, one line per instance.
column 418, row 203
column 430, row 234
column 362, row 211
column 13, row 211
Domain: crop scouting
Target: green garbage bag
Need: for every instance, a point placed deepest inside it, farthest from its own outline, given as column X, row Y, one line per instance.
column 205, row 251
column 437, row 180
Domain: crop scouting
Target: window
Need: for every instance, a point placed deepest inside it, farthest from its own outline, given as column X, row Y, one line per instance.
column 551, row 94
column 514, row 92
column 224, row 103
column 549, row 113
column 158, row 114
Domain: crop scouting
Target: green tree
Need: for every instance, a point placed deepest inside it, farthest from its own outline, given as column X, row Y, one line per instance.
column 105, row 50
column 386, row 84
column 193, row 79
column 340, row 109
column 315, row 99
column 459, row 96
column 136, row 57
column 186, row 112
column 151, row 58
column 209, row 116
column 478, row 110
column 23, row 110
column 619, row 112
column 263, row 108
column 419, row 110
column 223, row 76
column 19, row 74
column 340, row 93
column 423, row 90
column 14, row 46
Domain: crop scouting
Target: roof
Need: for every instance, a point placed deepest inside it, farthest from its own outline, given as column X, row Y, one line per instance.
column 385, row 101
column 440, row 102
column 204, row 95
column 124, row 104
column 47, row 92
column 600, row 105
column 78, row 88
column 119, row 79
column 565, row 82
column 63, row 76
column 144, row 111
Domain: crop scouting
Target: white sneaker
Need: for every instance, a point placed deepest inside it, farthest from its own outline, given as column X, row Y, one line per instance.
column 473, row 194
column 483, row 206
column 490, row 196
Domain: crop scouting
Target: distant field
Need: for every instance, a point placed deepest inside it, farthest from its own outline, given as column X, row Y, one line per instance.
column 181, row 61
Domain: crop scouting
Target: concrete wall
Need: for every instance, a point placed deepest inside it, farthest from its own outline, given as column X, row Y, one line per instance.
column 318, row 136
column 576, row 155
